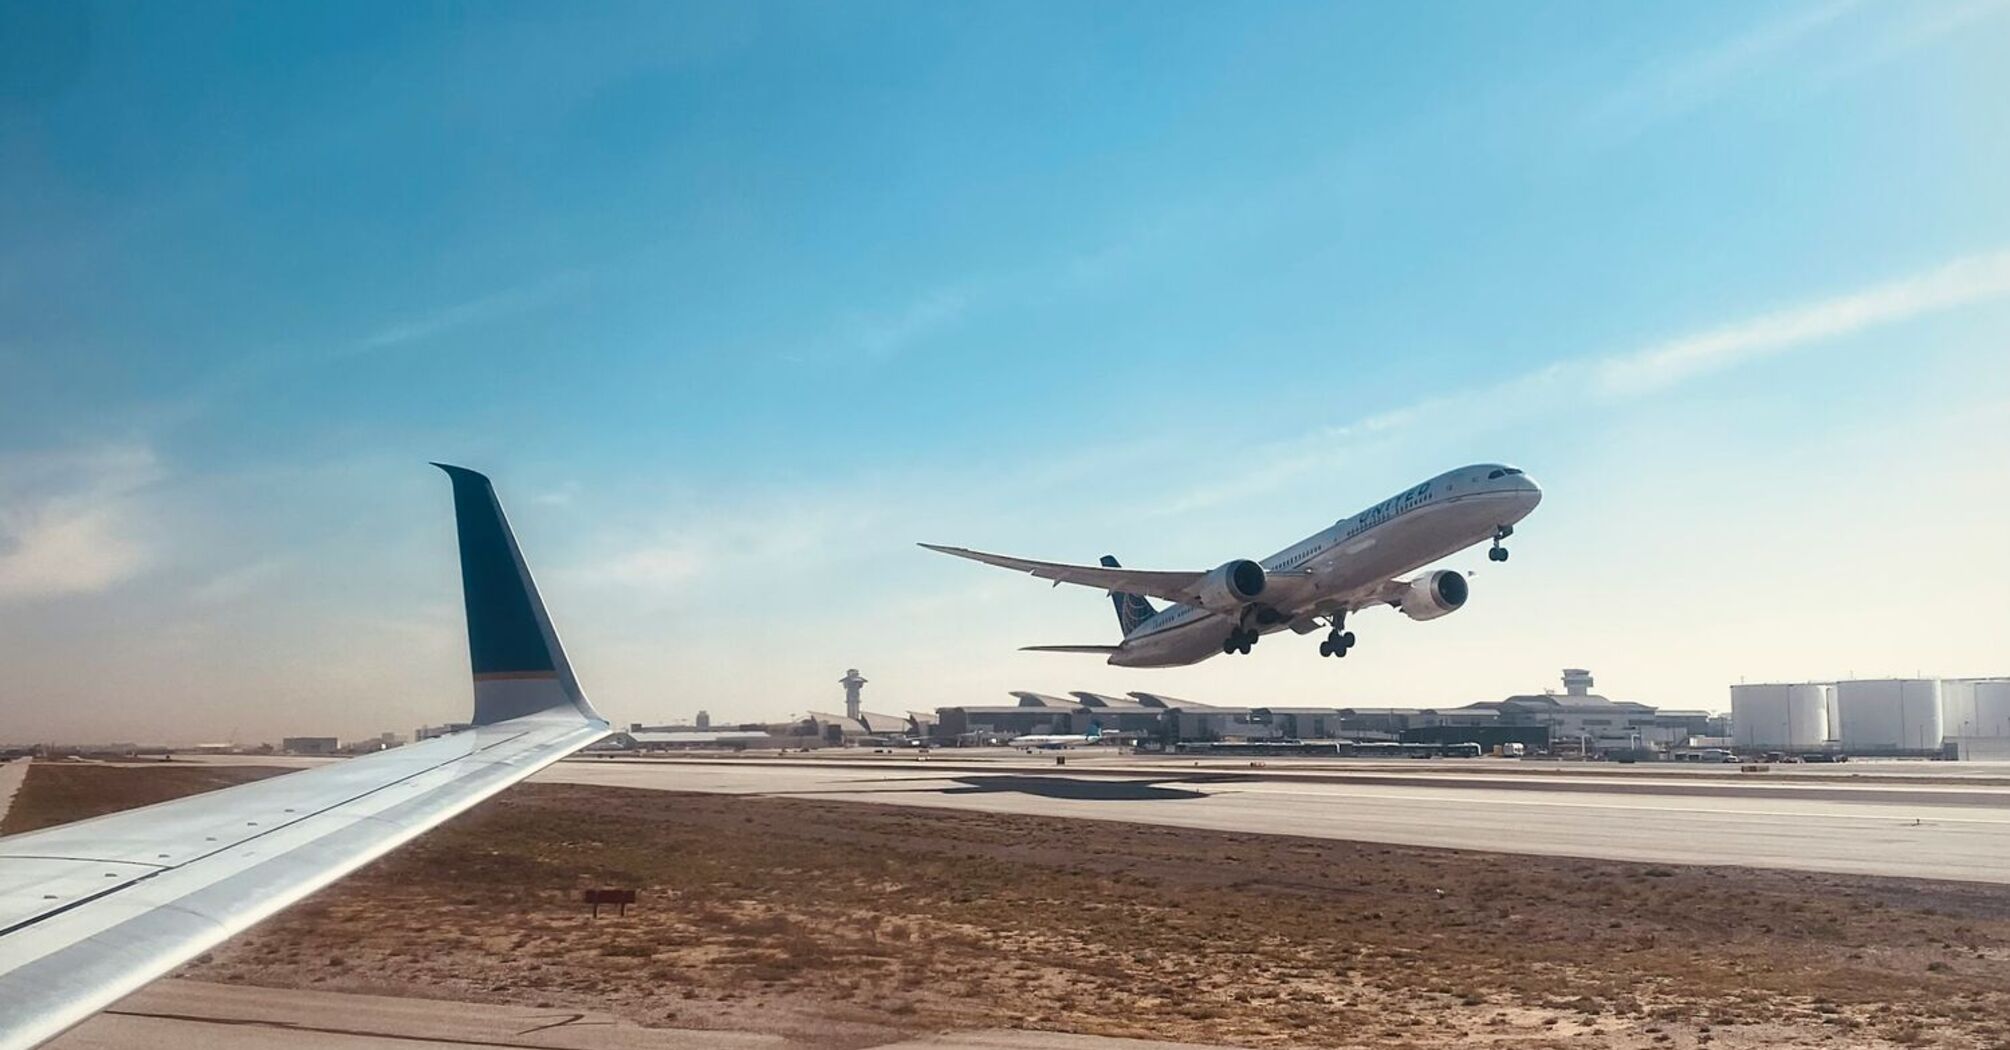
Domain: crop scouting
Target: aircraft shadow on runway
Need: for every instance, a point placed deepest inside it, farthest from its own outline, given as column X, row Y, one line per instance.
column 1072, row 788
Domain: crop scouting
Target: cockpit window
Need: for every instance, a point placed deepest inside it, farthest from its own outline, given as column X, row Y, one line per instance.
column 1494, row 475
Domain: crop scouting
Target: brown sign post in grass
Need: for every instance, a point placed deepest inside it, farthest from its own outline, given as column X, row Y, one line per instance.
column 623, row 898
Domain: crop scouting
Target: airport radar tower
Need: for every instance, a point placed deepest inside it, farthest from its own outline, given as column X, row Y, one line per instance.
column 704, row 720
column 852, row 684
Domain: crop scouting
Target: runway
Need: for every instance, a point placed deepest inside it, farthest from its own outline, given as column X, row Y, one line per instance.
column 1880, row 825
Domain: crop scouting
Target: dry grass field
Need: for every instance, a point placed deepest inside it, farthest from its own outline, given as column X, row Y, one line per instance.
column 60, row 792
column 843, row 924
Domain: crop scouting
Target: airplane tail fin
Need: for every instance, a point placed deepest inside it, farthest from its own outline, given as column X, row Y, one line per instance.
column 519, row 667
column 1095, row 732
column 1132, row 609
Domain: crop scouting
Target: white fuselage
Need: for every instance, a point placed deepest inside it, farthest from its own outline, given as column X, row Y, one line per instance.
column 1401, row 534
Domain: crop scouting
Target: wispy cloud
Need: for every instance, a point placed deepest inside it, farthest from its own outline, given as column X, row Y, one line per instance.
column 238, row 582
column 472, row 312
column 1686, row 82
column 886, row 335
column 67, row 521
column 1639, row 372
column 1962, row 282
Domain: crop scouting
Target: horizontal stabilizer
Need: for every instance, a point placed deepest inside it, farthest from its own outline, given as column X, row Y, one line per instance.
column 1104, row 649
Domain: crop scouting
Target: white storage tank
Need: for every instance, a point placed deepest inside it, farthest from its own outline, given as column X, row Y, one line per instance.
column 1957, row 706
column 1776, row 716
column 1889, row 714
column 1974, row 707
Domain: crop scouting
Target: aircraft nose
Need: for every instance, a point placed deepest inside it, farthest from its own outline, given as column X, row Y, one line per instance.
column 1529, row 490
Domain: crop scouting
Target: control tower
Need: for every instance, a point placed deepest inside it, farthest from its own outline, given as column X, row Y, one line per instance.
column 852, row 684
column 1576, row 681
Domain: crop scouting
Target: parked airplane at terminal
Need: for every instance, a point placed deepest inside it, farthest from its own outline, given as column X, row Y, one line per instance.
column 1316, row 582
column 91, row 911
column 1055, row 741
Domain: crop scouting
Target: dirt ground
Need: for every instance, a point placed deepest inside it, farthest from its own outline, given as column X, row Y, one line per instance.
column 60, row 792
column 843, row 924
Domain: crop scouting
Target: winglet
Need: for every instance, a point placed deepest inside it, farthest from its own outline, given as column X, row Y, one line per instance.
column 519, row 667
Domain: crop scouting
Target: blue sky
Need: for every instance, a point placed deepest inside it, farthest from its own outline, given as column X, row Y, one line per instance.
column 737, row 302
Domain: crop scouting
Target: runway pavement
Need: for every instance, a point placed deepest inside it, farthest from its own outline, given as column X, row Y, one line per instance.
column 177, row 1013
column 1875, row 826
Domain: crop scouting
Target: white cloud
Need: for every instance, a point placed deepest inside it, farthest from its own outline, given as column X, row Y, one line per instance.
column 1967, row 281
column 237, row 582
column 882, row 337
column 68, row 524
column 1678, row 85
column 1960, row 283
column 465, row 314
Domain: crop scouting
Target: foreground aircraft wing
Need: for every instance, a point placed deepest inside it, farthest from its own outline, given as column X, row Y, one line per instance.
column 1170, row 586
column 93, row 910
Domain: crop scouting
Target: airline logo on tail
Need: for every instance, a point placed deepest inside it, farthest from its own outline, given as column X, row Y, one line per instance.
column 1132, row 609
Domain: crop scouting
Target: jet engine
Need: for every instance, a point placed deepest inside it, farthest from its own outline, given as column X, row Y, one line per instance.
column 1432, row 596
column 1232, row 586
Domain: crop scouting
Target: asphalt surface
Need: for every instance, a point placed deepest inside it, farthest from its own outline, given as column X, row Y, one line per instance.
column 175, row 1013
column 1915, row 825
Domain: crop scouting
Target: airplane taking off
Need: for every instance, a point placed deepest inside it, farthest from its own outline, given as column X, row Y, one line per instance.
column 1315, row 582
column 1052, row 741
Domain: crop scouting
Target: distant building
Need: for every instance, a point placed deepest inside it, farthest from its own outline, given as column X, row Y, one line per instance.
column 1579, row 720
column 704, row 720
column 429, row 732
column 310, row 745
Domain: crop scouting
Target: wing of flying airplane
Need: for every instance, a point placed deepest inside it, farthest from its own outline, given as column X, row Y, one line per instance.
column 93, row 910
column 1179, row 587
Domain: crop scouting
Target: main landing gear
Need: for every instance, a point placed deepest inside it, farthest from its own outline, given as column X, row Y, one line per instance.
column 1239, row 641
column 1339, row 640
column 1500, row 553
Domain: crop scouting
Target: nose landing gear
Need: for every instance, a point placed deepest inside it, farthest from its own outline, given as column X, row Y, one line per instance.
column 1498, row 552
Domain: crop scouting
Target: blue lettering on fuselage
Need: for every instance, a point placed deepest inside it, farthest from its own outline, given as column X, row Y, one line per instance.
column 1390, row 508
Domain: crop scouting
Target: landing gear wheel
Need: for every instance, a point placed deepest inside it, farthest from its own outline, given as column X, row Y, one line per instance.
column 1239, row 641
column 1347, row 640
column 1337, row 643
column 1498, row 554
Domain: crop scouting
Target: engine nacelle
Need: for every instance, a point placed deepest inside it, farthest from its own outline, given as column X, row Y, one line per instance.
column 1429, row 597
column 1232, row 586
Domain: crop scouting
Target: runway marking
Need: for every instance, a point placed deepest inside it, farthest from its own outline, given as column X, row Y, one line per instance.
column 1937, row 818
column 855, row 793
